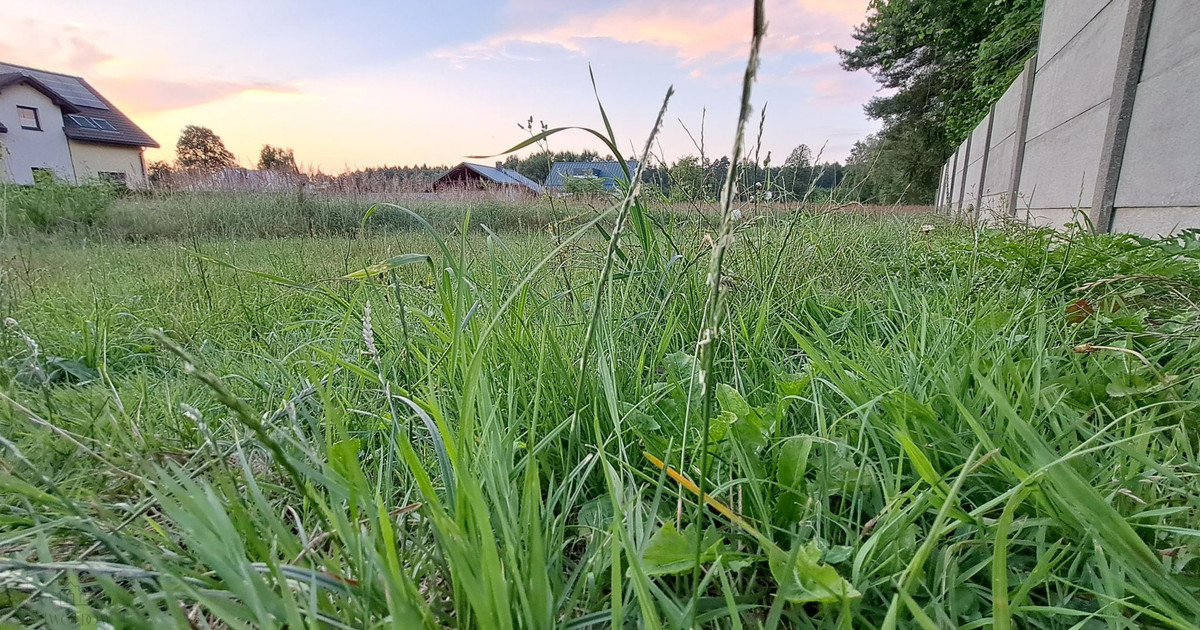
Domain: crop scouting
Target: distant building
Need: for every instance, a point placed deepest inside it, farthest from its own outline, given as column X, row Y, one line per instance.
column 468, row 176
column 611, row 172
column 59, row 124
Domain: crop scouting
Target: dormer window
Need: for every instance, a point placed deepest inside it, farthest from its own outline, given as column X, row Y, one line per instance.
column 29, row 118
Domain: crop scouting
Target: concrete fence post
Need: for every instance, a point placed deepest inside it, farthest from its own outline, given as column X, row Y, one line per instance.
column 945, row 201
column 1028, row 78
column 949, row 173
column 1120, row 111
column 962, row 185
column 983, row 163
column 953, row 181
column 937, row 196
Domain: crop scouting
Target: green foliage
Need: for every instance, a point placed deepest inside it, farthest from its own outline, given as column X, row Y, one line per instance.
column 226, row 215
column 800, row 157
column 272, row 158
column 694, row 180
column 884, row 169
column 874, row 369
column 690, row 180
column 159, row 172
column 670, row 552
column 51, row 204
column 200, row 149
column 944, row 62
column 585, row 186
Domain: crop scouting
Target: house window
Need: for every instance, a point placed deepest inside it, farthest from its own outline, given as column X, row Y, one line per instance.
column 29, row 118
column 82, row 121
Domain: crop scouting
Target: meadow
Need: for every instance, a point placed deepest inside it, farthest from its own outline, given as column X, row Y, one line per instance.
column 488, row 415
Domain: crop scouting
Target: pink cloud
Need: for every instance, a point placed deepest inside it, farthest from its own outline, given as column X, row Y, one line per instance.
column 65, row 49
column 68, row 50
column 829, row 83
column 148, row 95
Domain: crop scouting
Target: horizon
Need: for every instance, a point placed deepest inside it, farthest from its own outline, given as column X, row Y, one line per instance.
column 370, row 86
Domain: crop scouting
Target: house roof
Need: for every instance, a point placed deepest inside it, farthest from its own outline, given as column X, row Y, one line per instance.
column 77, row 97
column 17, row 77
column 497, row 174
column 610, row 172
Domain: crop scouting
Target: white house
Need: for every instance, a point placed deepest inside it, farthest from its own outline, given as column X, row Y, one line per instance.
column 58, row 123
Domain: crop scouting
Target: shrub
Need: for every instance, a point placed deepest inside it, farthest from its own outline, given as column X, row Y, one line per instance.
column 586, row 186
column 50, row 203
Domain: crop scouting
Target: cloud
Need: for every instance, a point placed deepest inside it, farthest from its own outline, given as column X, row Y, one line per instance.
column 149, row 95
column 131, row 84
column 829, row 83
column 692, row 31
column 63, row 49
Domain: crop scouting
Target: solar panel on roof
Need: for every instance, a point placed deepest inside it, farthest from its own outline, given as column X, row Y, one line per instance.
column 69, row 88
column 72, row 90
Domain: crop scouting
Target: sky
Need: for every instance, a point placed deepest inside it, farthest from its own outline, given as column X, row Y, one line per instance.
column 370, row 82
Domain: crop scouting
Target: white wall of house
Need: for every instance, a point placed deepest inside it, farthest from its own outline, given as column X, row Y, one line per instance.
column 92, row 161
column 24, row 149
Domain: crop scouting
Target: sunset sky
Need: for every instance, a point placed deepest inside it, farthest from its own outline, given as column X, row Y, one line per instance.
column 369, row 82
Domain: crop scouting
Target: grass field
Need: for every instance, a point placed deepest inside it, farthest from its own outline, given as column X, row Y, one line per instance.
column 979, row 428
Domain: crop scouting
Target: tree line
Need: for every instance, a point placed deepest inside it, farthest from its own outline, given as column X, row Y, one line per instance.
column 943, row 63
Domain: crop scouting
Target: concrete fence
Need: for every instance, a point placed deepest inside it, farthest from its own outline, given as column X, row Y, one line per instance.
column 1103, row 123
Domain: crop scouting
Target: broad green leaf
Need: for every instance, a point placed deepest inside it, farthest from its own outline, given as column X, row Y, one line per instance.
column 838, row 554
column 671, row 552
column 750, row 431
column 793, row 462
column 730, row 400
column 792, row 384
column 1128, row 385
column 70, row 371
column 718, row 429
column 803, row 578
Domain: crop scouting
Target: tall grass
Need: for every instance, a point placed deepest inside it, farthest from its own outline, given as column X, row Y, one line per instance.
column 453, row 426
column 935, row 419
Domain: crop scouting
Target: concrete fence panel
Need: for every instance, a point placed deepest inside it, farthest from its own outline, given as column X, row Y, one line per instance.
column 1068, row 114
column 1159, row 185
column 1103, row 122
column 1062, row 22
column 998, row 180
column 976, row 166
column 996, row 187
